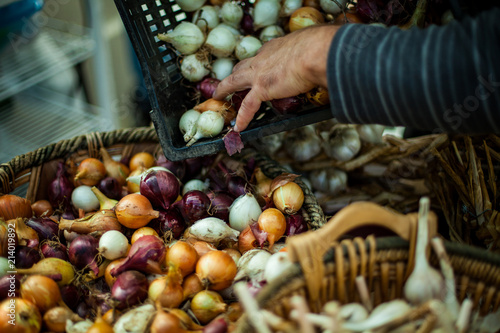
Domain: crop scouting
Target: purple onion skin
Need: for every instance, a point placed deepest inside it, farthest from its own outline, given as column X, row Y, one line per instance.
column 193, row 167
column 54, row 250
column 247, row 24
column 44, row 227
column 146, row 249
column 82, row 252
column 208, row 86
column 60, row 189
column 170, row 220
column 295, row 225
column 129, row 289
column 161, row 188
column 110, row 187
column 83, row 310
column 70, row 296
column 237, row 186
column 218, row 325
column 194, row 206
column 10, row 286
column 220, row 203
column 26, row 256
column 287, row 105
column 238, row 98
column 177, row 168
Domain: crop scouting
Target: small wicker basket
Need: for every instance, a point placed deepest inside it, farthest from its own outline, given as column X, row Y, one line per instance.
column 326, row 268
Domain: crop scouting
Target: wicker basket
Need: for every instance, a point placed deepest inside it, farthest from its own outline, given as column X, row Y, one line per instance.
column 326, row 269
column 29, row 174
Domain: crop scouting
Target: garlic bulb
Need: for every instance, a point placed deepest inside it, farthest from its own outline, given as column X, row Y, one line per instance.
column 206, row 18
column 186, row 38
column 247, row 47
column 209, row 124
column 271, row 32
column 371, row 133
column 221, row 42
column 194, row 67
column 331, row 181
column 302, row 143
column 187, row 123
column 231, row 13
column 342, row 143
column 266, row 12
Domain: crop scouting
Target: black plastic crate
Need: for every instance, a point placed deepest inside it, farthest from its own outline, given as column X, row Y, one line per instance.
column 167, row 89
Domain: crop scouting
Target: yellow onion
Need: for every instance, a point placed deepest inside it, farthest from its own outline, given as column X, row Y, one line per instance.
column 100, row 326
column 27, row 317
column 305, row 17
column 135, row 211
column 41, row 291
column 115, row 169
column 216, row 270
column 13, row 206
column 273, row 222
column 59, row 270
column 55, row 318
column 110, row 279
column 141, row 160
column 90, row 171
column 172, row 294
column 132, row 186
column 206, row 305
column 288, row 198
column 191, row 285
column 182, row 256
column 165, row 322
column 142, row 232
column 42, row 208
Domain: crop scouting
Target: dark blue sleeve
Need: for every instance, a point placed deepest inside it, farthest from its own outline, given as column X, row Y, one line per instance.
column 438, row 79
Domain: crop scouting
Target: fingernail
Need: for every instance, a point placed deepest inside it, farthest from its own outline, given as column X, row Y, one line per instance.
column 235, row 128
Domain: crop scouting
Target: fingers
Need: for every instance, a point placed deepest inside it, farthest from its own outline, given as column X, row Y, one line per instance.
column 240, row 79
column 249, row 107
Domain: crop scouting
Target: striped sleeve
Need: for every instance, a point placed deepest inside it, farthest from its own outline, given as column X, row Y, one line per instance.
column 438, row 79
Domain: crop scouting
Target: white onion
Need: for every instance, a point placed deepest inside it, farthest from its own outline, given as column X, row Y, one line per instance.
column 190, row 5
column 332, row 6
column 234, row 31
column 271, row 32
column 187, row 123
column 231, row 13
column 113, row 245
column 206, row 18
column 194, row 67
column 289, row 6
column 247, row 47
column 252, row 265
column 266, row 12
column 209, row 125
column 82, row 197
column 221, row 42
column 212, row 230
column 222, row 68
column 194, row 184
column 186, row 38
column 276, row 265
column 244, row 210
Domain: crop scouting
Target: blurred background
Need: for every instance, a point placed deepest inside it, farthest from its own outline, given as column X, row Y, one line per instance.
column 66, row 68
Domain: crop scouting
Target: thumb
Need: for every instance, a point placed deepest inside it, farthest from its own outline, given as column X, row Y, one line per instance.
column 249, row 107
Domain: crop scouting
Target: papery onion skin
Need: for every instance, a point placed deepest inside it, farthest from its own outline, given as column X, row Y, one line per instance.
column 90, row 171
column 169, row 223
column 288, row 198
column 305, row 17
column 27, row 316
column 220, row 203
column 59, row 190
column 216, row 270
column 295, row 224
column 145, row 255
column 206, row 305
column 142, row 159
column 13, row 206
column 46, row 228
column 26, row 257
column 110, row 187
column 160, row 187
column 178, row 168
column 42, row 208
column 70, row 296
column 135, row 211
column 183, row 256
column 129, row 289
column 82, row 252
column 194, row 206
column 41, row 291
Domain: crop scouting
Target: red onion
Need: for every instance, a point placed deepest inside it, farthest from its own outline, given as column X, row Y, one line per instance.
column 145, row 255
column 10, row 285
column 26, row 256
column 237, row 186
column 82, row 252
column 70, row 296
column 110, row 187
column 220, row 203
column 161, row 188
column 238, row 97
column 129, row 289
column 295, row 224
column 208, row 86
column 59, row 190
column 247, row 24
column 177, row 168
column 44, row 227
column 83, row 310
column 54, row 250
column 218, row 325
column 194, row 206
column 193, row 167
column 170, row 220
column 287, row 105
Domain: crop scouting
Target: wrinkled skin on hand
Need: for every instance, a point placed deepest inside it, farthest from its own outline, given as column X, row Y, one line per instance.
column 283, row 67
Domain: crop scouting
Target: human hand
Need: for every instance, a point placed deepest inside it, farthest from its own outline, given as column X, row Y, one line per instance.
column 283, row 67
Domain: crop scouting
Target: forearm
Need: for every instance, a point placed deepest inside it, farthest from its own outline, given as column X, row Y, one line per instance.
column 435, row 79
